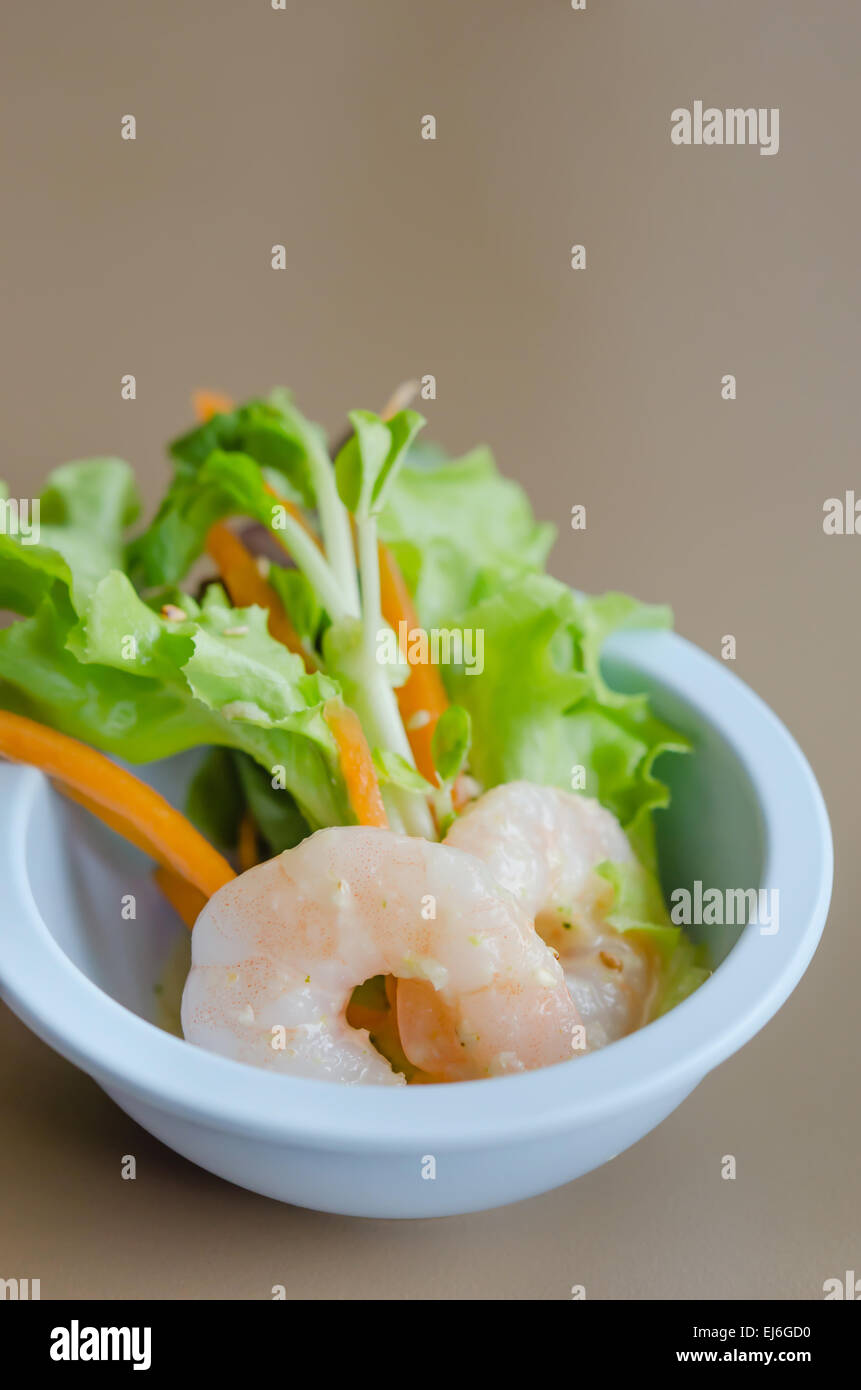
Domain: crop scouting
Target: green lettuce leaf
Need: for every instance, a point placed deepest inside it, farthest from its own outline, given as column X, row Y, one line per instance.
column 92, row 657
column 271, row 432
column 215, row 801
column 229, row 783
column 274, row 809
column 133, row 718
column 459, row 531
column 269, row 441
column 300, row 601
column 540, row 709
column 369, row 462
column 225, row 485
column 85, row 509
column 638, row 907
column 141, row 686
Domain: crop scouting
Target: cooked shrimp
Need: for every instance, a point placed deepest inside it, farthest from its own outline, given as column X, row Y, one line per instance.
column 277, row 952
column 543, row 845
column 611, row 982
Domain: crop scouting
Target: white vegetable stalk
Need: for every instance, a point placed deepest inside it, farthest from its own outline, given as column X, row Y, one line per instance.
column 383, row 710
column 337, row 534
column 335, row 581
column 302, row 549
column 392, row 811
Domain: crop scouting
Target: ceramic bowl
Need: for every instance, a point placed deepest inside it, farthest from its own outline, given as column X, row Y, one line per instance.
column 746, row 813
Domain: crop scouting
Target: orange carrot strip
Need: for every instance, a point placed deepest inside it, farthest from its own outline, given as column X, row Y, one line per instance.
column 123, row 801
column 363, row 1016
column 423, row 692
column 382, row 1024
column 209, row 403
column 357, row 764
column 114, row 820
column 186, row 901
column 242, row 579
column 246, row 586
column 247, row 850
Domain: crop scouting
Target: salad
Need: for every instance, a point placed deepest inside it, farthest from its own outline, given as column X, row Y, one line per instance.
column 419, row 844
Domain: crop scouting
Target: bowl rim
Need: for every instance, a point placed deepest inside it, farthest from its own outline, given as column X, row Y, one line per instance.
column 124, row 1052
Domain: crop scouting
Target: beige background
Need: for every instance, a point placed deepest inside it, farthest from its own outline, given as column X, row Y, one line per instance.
column 601, row 387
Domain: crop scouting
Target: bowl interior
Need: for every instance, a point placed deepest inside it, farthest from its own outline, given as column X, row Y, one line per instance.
column 97, row 896
column 712, row 831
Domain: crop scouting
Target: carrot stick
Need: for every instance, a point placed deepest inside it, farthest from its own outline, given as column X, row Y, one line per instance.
column 186, row 901
column 113, row 819
column 246, row 586
column 381, row 1021
column 121, row 800
column 422, row 698
column 238, row 567
column 247, row 847
column 363, row 1016
column 209, row 403
column 357, row 765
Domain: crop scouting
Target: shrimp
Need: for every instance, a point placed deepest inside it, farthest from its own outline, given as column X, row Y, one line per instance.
column 543, row 845
column 612, row 983
column 277, row 952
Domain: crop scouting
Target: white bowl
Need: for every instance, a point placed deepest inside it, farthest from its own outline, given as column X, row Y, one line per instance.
column 746, row 813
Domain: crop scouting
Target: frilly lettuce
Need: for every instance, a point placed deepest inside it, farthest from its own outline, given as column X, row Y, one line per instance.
column 541, row 710
column 92, row 659
column 459, row 531
column 638, row 908
column 85, row 509
column 96, row 658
